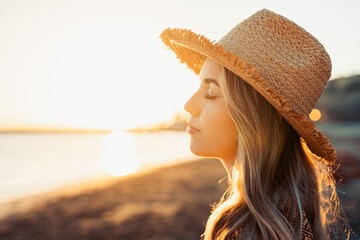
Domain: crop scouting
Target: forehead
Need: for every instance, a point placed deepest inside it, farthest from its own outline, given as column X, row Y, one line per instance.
column 210, row 69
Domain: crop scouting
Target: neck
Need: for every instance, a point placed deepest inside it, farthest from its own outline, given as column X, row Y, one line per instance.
column 228, row 163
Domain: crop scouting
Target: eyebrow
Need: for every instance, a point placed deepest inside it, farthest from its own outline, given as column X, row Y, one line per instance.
column 210, row 80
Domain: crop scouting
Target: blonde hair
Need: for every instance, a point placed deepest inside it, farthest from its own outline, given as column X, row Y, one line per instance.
column 273, row 167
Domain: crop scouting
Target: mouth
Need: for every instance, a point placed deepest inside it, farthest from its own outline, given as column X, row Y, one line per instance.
column 191, row 129
column 194, row 128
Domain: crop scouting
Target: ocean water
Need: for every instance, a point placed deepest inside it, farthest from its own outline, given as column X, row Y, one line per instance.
column 37, row 162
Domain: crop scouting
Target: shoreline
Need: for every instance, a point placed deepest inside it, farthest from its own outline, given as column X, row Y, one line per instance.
column 27, row 202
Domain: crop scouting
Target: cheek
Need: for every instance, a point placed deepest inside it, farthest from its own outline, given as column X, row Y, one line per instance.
column 218, row 137
column 222, row 131
column 218, row 122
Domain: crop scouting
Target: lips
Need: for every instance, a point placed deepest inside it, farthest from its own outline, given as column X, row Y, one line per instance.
column 192, row 126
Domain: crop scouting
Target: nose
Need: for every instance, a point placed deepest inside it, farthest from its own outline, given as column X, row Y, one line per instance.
column 192, row 105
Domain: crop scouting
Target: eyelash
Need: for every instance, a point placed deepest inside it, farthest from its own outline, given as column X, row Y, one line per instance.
column 207, row 96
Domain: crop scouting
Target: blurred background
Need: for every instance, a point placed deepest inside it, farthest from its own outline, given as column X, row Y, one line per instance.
column 92, row 125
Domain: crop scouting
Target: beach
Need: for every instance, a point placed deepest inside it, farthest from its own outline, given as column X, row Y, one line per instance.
column 169, row 202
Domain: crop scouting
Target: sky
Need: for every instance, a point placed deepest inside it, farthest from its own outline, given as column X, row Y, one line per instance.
column 100, row 63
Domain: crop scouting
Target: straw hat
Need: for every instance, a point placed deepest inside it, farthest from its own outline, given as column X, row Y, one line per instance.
column 281, row 60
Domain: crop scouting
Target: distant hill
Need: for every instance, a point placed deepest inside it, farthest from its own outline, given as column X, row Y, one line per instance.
column 176, row 123
column 341, row 100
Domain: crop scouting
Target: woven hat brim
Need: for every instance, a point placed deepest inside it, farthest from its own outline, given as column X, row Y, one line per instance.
column 192, row 49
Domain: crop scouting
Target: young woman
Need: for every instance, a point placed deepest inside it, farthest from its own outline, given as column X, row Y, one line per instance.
column 258, row 86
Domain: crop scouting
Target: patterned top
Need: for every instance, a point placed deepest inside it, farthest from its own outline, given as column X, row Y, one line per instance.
column 306, row 233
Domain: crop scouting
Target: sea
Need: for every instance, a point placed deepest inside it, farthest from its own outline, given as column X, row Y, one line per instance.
column 33, row 163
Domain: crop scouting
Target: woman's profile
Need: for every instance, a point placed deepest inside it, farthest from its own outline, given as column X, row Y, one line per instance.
column 258, row 85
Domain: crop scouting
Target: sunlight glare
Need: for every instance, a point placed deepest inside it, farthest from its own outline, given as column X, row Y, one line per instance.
column 315, row 114
column 118, row 156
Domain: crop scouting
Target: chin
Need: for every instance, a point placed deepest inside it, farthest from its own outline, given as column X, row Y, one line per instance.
column 194, row 148
column 198, row 151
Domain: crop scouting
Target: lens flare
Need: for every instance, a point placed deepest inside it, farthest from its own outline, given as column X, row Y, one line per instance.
column 315, row 114
column 119, row 157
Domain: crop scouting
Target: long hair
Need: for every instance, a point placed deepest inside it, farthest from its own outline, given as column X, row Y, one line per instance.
column 273, row 170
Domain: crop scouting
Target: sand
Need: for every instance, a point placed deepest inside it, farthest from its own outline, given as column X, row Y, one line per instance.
column 170, row 202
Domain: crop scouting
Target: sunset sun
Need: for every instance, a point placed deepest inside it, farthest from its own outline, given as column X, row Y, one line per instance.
column 118, row 156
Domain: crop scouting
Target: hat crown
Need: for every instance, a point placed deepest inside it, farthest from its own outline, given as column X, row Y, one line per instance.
column 291, row 60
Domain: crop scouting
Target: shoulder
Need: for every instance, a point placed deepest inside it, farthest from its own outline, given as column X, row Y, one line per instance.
column 306, row 228
column 306, row 232
column 238, row 232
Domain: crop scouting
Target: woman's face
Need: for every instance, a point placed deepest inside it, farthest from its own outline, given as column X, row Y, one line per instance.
column 217, row 134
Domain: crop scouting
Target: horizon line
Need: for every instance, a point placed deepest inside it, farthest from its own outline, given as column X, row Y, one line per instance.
column 69, row 130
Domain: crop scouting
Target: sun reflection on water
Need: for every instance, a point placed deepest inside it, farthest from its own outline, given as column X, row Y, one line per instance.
column 119, row 157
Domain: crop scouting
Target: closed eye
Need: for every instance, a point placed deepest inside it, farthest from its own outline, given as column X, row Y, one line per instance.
column 207, row 96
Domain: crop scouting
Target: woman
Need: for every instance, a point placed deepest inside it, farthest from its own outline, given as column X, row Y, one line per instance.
column 259, row 84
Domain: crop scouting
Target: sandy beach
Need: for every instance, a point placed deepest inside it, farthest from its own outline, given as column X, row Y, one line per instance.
column 170, row 202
